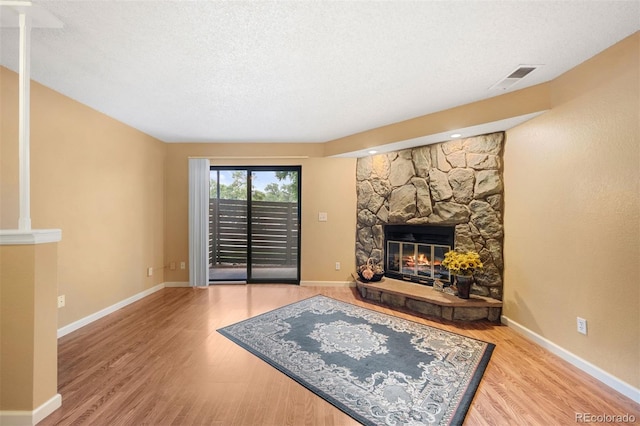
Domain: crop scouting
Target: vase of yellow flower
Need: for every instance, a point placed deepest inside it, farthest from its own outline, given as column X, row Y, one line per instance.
column 463, row 284
column 462, row 265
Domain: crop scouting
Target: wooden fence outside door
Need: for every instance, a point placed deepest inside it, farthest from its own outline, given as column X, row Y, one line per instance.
column 274, row 233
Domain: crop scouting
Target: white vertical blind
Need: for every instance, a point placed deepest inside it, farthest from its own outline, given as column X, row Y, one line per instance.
column 198, row 222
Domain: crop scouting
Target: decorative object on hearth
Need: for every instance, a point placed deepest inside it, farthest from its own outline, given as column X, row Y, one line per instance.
column 438, row 285
column 463, row 284
column 377, row 368
column 370, row 271
column 462, row 264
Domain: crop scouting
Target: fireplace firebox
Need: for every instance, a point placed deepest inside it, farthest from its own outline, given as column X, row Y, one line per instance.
column 415, row 252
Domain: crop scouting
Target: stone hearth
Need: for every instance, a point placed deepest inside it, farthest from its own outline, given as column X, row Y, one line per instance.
column 424, row 300
column 457, row 183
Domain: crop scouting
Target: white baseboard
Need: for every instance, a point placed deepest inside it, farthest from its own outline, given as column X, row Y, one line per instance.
column 328, row 283
column 63, row 331
column 30, row 418
column 596, row 372
column 177, row 284
column 302, row 283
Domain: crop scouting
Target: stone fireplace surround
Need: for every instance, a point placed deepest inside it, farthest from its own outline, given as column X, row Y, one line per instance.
column 456, row 183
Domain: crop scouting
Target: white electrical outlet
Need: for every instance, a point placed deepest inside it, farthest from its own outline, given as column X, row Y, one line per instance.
column 337, row 266
column 61, row 301
column 322, row 217
column 149, row 272
column 582, row 326
column 183, row 265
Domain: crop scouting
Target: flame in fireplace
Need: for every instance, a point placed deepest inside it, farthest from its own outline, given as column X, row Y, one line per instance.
column 422, row 260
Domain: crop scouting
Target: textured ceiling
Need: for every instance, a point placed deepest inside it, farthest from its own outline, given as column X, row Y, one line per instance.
column 303, row 71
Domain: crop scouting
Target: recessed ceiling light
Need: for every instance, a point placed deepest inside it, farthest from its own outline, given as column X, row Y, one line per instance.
column 456, row 135
column 373, row 151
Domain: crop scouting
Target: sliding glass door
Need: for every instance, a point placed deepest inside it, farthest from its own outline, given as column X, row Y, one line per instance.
column 255, row 223
column 228, row 209
column 274, row 224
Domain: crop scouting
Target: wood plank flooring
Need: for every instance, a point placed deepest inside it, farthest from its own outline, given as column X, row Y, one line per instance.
column 161, row 362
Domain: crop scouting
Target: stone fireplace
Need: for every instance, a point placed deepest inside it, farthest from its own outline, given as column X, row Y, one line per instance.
column 457, row 184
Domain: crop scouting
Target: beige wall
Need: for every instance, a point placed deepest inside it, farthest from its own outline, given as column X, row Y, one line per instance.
column 572, row 214
column 328, row 185
column 99, row 181
column 28, row 343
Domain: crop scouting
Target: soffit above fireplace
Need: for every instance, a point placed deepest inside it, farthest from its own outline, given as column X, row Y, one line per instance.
column 443, row 136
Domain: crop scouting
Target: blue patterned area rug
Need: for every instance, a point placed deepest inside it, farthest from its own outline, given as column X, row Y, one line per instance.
column 377, row 368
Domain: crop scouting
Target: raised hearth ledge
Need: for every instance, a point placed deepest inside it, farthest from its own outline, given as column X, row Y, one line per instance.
column 12, row 237
column 427, row 301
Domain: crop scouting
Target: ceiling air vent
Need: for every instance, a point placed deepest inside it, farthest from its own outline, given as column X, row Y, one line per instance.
column 515, row 76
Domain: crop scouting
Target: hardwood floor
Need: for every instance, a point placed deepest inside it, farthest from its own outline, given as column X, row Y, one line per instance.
column 160, row 361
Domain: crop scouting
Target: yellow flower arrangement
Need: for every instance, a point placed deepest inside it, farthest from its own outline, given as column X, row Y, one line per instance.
column 462, row 263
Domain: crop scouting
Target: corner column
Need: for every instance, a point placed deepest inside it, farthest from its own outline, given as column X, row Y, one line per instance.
column 28, row 326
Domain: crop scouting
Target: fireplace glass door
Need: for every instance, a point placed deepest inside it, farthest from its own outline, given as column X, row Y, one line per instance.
column 417, row 262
